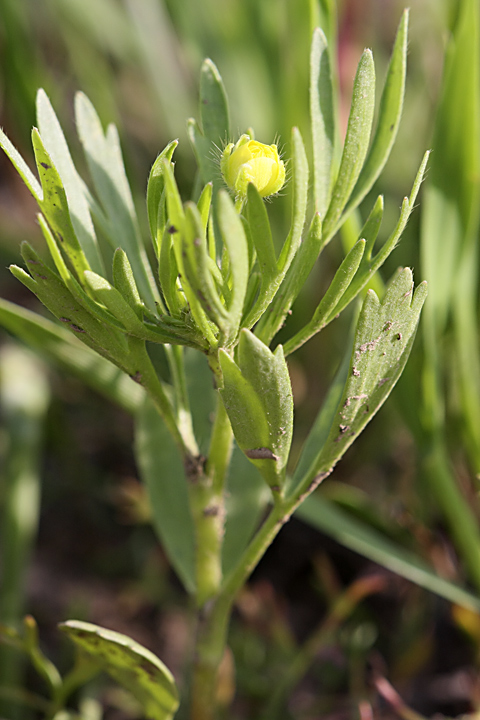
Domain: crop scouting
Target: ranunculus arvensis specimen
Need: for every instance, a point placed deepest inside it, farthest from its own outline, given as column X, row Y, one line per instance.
column 250, row 161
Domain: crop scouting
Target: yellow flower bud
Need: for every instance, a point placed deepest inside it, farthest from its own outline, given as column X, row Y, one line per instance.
column 250, row 161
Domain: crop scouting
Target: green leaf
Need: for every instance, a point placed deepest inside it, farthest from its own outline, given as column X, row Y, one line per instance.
column 369, row 265
column 104, row 159
column 93, row 307
column 51, row 291
column 161, row 469
column 197, row 267
column 336, row 290
column 290, row 247
column 318, row 434
column 177, row 230
column 56, row 146
column 389, row 115
column 234, row 239
column 294, row 280
column 215, row 123
column 204, row 204
column 21, row 166
column 299, row 201
column 55, row 207
column 202, row 148
column 261, row 234
column 213, row 104
column 130, row 664
column 58, row 344
column 356, row 141
column 156, row 196
column 168, row 273
column 322, row 119
column 114, row 301
column 202, row 396
column 246, row 499
column 125, row 282
column 350, row 532
column 383, row 340
column 258, row 398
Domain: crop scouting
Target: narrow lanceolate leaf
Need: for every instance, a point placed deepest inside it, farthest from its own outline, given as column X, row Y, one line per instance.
column 134, row 667
column 322, row 119
column 235, row 242
column 246, row 499
column 383, row 340
column 125, row 282
column 21, row 167
column 213, row 104
column 176, row 231
column 349, row 531
column 294, row 280
column 56, row 146
column 299, row 201
column 290, row 247
column 215, row 123
column 356, row 141
column 349, row 275
column 156, row 196
column 337, row 289
column 104, row 159
column 57, row 344
column 261, row 234
column 258, row 398
column 370, row 265
column 55, row 207
column 204, row 204
column 389, row 115
column 114, row 301
column 162, row 471
column 196, row 263
column 202, row 148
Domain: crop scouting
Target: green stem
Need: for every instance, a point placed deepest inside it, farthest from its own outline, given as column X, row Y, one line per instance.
column 206, row 488
column 213, row 623
column 208, row 500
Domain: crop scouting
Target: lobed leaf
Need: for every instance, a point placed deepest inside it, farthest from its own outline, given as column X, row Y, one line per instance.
column 52, row 292
column 56, row 146
column 139, row 671
column 54, row 206
column 104, row 159
column 383, row 340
